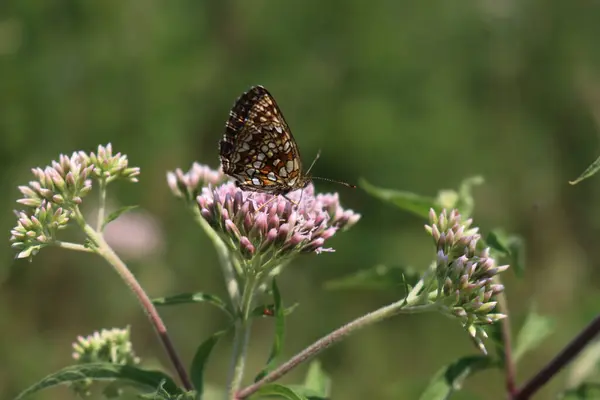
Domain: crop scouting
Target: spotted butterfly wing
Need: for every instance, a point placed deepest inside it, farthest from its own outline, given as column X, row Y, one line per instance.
column 258, row 148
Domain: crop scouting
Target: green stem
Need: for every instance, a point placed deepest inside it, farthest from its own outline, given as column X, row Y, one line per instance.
column 101, row 205
column 231, row 282
column 104, row 250
column 325, row 342
column 72, row 246
column 241, row 337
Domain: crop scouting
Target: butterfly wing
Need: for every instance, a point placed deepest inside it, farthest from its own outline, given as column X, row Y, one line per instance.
column 258, row 148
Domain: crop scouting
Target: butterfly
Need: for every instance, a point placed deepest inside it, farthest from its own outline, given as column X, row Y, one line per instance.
column 258, row 149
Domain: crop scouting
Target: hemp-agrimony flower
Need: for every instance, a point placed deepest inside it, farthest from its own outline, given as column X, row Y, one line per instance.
column 189, row 184
column 110, row 167
column 266, row 230
column 57, row 191
column 109, row 345
column 64, row 183
column 465, row 274
column 38, row 230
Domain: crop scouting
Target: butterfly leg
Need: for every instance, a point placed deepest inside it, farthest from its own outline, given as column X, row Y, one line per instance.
column 266, row 203
column 297, row 204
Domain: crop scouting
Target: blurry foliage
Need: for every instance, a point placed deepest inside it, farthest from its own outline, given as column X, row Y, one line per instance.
column 409, row 95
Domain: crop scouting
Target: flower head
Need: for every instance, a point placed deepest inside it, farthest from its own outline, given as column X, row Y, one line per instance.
column 109, row 346
column 38, row 230
column 465, row 274
column 64, row 183
column 189, row 184
column 57, row 191
column 273, row 228
column 110, row 167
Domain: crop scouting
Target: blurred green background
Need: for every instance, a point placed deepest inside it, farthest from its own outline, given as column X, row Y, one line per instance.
column 409, row 95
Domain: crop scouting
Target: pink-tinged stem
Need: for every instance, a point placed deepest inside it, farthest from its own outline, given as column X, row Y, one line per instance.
column 106, row 251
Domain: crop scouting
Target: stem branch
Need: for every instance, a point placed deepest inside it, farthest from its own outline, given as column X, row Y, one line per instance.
column 224, row 259
column 72, row 246
column 109, row 255
column 331, row 339
column 510, row 370
column 101, row 205
column 241, row 337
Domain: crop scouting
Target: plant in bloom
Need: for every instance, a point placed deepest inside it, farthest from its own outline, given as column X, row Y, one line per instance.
column 264, row 231
column 57, row 192
column 256, row 234
column 464, row 274
column 109, row 345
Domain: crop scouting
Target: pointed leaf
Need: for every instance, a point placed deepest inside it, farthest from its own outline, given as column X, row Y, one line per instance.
column 380, row 277
column 104, row 371
column 497, row 339
column 275, row 389
column 516, row 245
column 279, row 333
column 317, row 380
column 200, row 360
column 198, row 297
column 450, row 378
column 116, row 214
column 510, row 248
column 585, row 366
column 591, row 170
column 161, row 394
column 307, row 392
column 466, row 202
column 534, row 330
column 408, row 201
column 494, row 242
column 585, row 391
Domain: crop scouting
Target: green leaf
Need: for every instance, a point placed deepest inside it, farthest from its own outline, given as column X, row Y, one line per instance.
column 407, row 201
column 268, row 310
column 200, row 360
column 420, row 205
column 307, row 392
column 534, row 330
column 116, row 214
column 317, row 380
column 465, row 202
column 495, row 242
column 107, row 372
column 509, row 248
column 585, row 391
column 450, row 378
column 198, row 297
column 279, row 333
column 497, row 339
column 275, row 389
column 585, row 366
column 380, row 277
column 161, row 394
column 591, row 170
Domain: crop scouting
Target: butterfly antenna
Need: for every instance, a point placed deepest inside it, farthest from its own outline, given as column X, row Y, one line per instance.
column 334, row 181
column 314, row 161
column 326, row 179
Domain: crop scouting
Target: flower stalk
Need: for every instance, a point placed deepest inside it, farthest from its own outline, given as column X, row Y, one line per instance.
column 241, row 337
column 106, row 252
column 381, row 314
column 256, row 234
column 56, row 195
